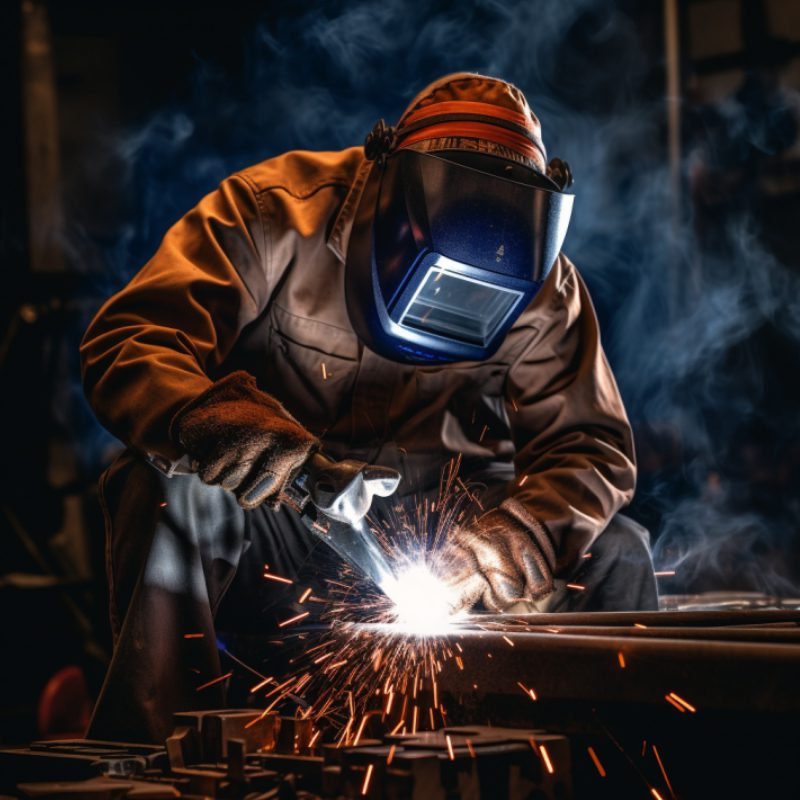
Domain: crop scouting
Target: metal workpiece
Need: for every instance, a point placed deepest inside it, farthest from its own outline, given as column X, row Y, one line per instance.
column 774, row 634
column 716, row 660
column 708, row 617
column 216, row 728
column 473, row 761
column 470, row 762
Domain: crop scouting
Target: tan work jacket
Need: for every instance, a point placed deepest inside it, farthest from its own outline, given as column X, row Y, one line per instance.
column 253, row 278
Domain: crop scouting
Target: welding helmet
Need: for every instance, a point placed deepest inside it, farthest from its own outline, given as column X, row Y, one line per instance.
column 458, row 226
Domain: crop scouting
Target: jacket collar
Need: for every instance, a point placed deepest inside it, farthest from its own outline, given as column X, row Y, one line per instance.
column 339, row 236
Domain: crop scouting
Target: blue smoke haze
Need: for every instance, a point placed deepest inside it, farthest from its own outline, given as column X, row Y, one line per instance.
column 673, row 306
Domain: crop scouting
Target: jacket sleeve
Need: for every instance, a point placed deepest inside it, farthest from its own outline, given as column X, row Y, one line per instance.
column 575, row 456
column 151, row 347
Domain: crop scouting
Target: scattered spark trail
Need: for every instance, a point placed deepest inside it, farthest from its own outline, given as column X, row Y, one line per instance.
column 382, row 649
column 277, row 578
column 546, row 758
column 678, row 699
column 675, row 703
column 303, row 597
column 663, row 771
column 365, row 787
column 527, row 691
column 260, row 685
column 360, row 729
column 596, row 760
column 213, row 681
column 294, row 619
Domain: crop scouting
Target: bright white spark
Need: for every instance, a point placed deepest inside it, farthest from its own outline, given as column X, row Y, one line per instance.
column 423, row 603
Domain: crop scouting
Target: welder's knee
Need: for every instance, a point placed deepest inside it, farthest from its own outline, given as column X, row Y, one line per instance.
column 620, row 572
column 623, row 538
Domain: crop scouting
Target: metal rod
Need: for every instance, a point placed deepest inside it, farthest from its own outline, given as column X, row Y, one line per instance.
column 709, row 674
column 727, row 633
column 649, row 618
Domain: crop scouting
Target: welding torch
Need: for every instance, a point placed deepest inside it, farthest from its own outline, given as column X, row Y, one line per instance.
column 333, row 499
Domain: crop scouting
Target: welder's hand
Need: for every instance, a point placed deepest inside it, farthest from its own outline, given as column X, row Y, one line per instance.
column 243, row 439
column 495, row 560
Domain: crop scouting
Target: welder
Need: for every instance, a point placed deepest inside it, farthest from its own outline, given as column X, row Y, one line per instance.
column 401, row 303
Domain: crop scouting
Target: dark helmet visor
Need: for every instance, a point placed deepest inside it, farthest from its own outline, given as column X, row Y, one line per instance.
column 455, row 255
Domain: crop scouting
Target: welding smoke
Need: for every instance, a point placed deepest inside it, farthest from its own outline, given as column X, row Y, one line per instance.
column 692, row 307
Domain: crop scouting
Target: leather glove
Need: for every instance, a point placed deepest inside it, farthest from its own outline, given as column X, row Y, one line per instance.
column 496, row 560
column 243, row 440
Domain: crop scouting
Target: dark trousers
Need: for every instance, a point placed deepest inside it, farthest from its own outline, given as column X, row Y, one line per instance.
column 183, row 559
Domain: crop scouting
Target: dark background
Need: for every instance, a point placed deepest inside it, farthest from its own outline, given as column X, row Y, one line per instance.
column 120, row 116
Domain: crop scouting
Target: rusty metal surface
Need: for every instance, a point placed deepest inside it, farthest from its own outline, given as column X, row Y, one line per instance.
column 774, row 633
column 458, row 762
column 701, row 617
column 718, row 660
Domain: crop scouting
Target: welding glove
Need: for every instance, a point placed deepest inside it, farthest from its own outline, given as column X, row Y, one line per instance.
column 496, row 560
column 243, row 440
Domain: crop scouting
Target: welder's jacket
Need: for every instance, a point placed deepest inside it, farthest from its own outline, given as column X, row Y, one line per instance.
column 253, row 279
